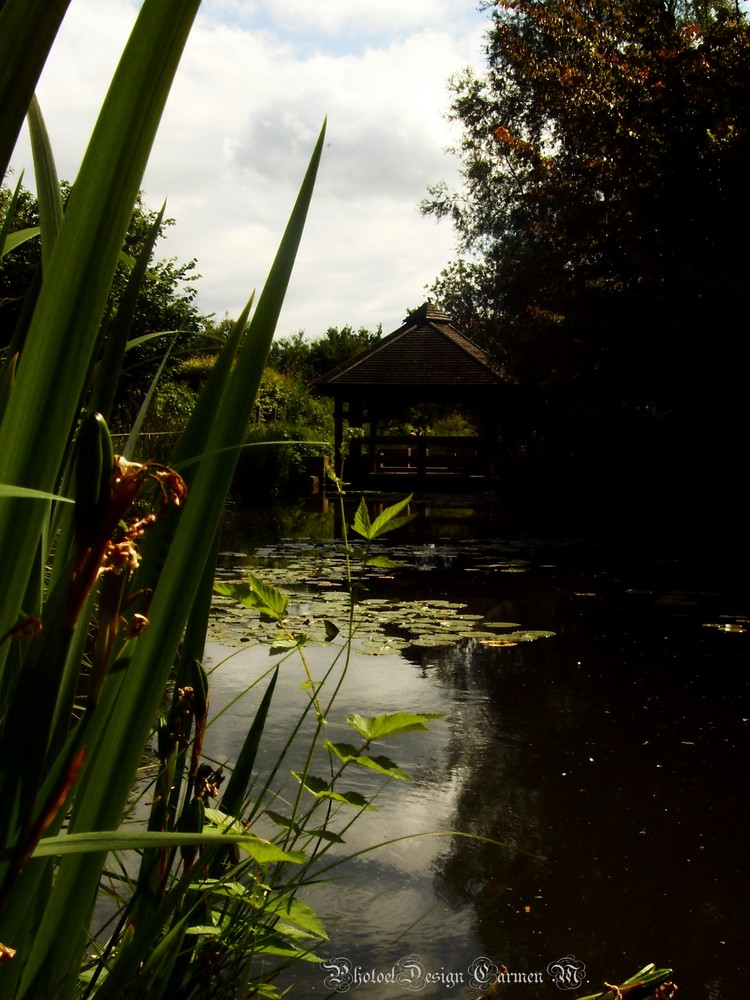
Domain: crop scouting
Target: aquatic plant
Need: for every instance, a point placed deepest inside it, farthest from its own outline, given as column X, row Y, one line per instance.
column 108, row 563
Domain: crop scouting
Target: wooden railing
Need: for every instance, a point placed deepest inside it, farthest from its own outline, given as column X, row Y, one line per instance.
column 423, row 456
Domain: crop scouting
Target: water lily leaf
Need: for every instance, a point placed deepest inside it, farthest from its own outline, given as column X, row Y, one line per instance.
column 384, row 648
column 433, row 641
column 528, row 635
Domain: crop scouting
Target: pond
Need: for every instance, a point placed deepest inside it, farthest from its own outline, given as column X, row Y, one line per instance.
column 594, row 744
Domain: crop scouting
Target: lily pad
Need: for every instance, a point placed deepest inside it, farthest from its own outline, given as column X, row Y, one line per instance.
column 434, row 640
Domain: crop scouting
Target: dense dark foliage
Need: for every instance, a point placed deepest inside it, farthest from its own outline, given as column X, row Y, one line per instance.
column 166, row 302
column 605, row 154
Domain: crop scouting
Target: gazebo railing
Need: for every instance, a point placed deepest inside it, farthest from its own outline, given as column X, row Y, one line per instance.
column 423, row 456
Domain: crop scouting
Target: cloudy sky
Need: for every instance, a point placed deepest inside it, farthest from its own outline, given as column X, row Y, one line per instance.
column 256, row 81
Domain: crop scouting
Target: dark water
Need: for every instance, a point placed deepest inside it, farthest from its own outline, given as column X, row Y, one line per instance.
column 610, row 760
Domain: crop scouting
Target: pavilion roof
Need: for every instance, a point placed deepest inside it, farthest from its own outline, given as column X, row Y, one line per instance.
column 427, row 352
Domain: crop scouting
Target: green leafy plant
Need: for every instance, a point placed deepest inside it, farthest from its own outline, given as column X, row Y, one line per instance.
column 106, row 597
column 648, row 981
column 316, row 817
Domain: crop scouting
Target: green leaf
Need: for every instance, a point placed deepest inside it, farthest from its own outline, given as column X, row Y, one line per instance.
column 284, row 645
column 253, row 593
column 17, row 239
column 205, row 930
column 377, row 727
column 320, row 832
column 389, row 520
column 361, row 523
column 141, row 840
column 348, row 754
column 321, row 790
column 296, row 912
column 381, row 562
column 21, row 491
column 49, row 198
column 239, row 781
column 27, row 31
column 262, row 851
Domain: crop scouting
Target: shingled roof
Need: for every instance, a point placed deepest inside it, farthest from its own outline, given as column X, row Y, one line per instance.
column 426, row 352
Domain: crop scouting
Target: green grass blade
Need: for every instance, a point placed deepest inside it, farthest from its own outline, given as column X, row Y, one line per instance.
column 48, row 195
column 17, row 239
column 22, row 492
column 128, row 450
column 234, row 795
column 141, row 840
column 107, row 372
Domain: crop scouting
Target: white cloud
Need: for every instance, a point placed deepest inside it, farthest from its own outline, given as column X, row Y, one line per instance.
column 256, row 81
column 360, row 17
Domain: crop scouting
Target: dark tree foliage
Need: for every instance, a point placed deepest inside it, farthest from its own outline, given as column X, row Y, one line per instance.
column 17, row 267
column 166, row 302
column 308, row 359
column 605, row 156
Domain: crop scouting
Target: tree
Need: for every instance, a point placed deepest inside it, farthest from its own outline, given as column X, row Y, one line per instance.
column 309, row 359
column 166, row 301
column 604, row 158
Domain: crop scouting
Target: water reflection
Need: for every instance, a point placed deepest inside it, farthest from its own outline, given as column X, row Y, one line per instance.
column 610, row 760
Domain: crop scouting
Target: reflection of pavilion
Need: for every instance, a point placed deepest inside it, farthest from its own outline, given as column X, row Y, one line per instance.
column 427, row 360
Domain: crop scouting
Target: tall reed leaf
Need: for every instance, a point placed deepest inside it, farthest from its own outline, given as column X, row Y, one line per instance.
column 27, row 31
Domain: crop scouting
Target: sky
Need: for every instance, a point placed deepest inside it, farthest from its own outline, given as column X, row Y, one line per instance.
column 256, row 82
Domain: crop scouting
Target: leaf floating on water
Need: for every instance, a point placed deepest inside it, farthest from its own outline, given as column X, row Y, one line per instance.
column 502, row 624
column 433, row 641
column 725, row 626
column 372, row 647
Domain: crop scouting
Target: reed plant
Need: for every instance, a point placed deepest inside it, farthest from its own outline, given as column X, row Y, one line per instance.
column 107, row 562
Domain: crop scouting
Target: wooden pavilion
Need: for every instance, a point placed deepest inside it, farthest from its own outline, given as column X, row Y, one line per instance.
column 427, row 360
